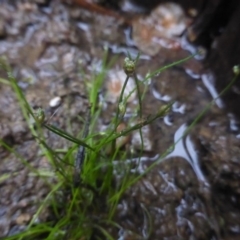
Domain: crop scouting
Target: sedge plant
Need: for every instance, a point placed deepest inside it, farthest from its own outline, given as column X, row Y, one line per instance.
column 83, row 202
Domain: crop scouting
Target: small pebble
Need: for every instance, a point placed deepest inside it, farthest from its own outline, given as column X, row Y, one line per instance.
column 55, row 102
column 23, row 219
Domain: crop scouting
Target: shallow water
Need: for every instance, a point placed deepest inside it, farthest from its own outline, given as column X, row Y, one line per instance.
column 184, row 148
column 184, row 193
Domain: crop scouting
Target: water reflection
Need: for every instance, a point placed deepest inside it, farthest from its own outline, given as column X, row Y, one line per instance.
column 159, row 96
column 168, row 120
column 180, row 108
column 184, row 148
column 208, row 81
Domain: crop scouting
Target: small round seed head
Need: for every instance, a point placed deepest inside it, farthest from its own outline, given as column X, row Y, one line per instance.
column 236, row 69
column 39, row 115
column 129, row 66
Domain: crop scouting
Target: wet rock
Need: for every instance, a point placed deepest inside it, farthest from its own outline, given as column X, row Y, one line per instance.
column 223, row 173
column 115, row 85
column 179, row 211
column 219, row 159
column 161, row 28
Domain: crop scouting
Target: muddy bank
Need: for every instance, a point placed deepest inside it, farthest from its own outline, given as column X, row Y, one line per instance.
column 193, row 193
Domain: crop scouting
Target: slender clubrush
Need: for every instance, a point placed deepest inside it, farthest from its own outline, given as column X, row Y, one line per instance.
column 87, row 210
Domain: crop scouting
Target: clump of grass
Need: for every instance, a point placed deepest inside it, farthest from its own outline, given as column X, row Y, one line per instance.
column 84, row 200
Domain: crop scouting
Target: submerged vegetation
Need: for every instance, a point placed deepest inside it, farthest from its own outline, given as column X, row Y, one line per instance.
column 84, row 191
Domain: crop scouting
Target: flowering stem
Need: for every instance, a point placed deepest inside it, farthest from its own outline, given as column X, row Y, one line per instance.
column 119, row 102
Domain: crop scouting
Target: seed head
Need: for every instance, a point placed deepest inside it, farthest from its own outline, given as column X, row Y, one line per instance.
column 129, row 66
column 39, row 115
column 236, row 70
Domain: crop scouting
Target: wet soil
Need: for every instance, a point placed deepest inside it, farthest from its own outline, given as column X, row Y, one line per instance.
column 193, row 193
